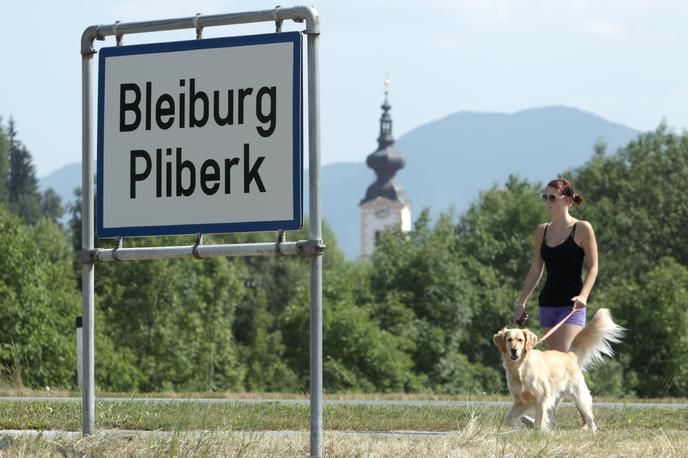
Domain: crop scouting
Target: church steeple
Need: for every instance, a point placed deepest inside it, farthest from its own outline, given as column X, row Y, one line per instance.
column 385, row 161
column 385, row 139
column 384, row 205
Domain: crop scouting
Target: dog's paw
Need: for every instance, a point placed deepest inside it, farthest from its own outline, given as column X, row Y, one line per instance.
column 593, row 430
column 528, row 421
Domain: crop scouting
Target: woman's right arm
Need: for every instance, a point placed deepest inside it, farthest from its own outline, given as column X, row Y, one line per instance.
column 534, row 274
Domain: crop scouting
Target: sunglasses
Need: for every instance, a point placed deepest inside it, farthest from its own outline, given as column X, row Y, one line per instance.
column 551, row 197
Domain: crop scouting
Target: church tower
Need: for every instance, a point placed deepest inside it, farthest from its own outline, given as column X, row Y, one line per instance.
column 384, row 204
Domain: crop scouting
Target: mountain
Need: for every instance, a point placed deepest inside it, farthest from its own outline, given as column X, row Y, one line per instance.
column 64, row 181
column 450, row 160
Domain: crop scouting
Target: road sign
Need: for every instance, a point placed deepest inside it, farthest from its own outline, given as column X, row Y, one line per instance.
column 200, row 136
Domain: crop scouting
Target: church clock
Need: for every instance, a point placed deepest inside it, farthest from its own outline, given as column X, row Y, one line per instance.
column 381, row 211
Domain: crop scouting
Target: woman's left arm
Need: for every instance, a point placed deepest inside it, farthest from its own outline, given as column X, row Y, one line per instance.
column 589, row 245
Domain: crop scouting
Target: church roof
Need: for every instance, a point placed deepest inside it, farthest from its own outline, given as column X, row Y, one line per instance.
column 389, row 189
column 385, row 161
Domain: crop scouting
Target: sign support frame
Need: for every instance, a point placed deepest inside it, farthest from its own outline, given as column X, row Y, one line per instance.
column 312, row 248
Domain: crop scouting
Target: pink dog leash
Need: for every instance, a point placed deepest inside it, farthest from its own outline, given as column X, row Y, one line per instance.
column 556, row 326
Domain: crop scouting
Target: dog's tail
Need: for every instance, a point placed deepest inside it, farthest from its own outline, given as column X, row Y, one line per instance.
column 593, row 342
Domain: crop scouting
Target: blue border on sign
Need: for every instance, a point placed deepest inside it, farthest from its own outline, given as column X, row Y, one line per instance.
column 297, row 146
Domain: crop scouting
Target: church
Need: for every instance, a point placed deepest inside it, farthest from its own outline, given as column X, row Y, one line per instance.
column 385, row 205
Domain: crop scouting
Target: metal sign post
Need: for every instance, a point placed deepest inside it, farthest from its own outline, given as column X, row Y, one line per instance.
column 312, row 248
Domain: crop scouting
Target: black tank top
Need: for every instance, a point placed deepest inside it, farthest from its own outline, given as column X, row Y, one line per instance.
column 564, row 265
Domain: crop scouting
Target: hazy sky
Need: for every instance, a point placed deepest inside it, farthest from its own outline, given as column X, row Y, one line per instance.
column 623, row 60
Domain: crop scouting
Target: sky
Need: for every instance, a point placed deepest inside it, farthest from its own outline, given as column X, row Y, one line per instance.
column 622, row 60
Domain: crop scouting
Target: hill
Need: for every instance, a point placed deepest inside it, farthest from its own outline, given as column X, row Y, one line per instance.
column 64, row 181
column 448, row 161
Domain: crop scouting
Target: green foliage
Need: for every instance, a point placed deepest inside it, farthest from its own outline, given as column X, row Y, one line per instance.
column 492, row 302
column 74, row 225
column 18, row 183
column 496, row 237
column 261, row 346
column 368, row 353
column 498, row 229
column 607, row 378
column 24, row 197
column 4, row 165
column 447, row 288
column 357, row 354
column 457, row 375
column 39, row 304
column 51, row 205
column 176, row 317
column 653, row 309
column 635, row 200
column 425, row 294
column 418, row 316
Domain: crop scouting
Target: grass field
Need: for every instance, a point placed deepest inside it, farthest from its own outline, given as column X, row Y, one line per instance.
column 476, row 441
column 239, row 429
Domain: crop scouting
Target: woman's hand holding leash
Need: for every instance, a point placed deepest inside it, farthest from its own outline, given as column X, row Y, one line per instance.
column 579, row 302
column 520, row 315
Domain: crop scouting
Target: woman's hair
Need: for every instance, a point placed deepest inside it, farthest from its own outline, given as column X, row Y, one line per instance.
column 563, row 186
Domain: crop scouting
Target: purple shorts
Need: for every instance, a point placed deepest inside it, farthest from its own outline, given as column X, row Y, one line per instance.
column 550, row 316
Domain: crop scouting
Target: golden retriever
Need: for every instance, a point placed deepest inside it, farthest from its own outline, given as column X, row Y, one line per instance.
column 540, row 379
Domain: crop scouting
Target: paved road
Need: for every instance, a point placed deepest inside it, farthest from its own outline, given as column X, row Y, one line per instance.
column 417, row 403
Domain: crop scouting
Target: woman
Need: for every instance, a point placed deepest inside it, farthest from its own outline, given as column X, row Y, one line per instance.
column 561, row 246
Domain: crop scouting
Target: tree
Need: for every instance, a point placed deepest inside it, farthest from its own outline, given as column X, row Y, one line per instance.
column 357, row 354
column 653, row 308
column 4, row 165
column 39, row 304
column 495, row 245
column 261, row 345
column 498, row 229
column 51, row 205
column 24, row 197
column 635, row 201
column 421, row 291
column 176, row 316
column 74, row 225
column 210, row 293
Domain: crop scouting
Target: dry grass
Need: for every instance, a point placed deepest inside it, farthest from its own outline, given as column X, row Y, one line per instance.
column 248, row 430
column 472, row 441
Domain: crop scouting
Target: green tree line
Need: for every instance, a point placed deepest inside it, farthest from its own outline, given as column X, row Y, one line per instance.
column 18, row 183
column 417, row 317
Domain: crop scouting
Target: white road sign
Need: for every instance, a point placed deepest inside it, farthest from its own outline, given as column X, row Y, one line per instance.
column 200, row 136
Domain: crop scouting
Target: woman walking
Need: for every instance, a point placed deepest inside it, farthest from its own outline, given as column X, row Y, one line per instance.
column 562, row 246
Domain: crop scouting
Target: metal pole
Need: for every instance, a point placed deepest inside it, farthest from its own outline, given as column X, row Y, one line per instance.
column 315, row 234
column 87, row 243
column 298, row 248
column 296, row 13
column 312, row 247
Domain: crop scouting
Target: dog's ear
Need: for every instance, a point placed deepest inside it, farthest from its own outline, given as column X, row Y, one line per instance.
column 499, row 340
column 531, row 339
